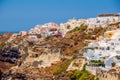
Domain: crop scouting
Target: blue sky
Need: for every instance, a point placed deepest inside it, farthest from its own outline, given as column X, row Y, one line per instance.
column 16, row 15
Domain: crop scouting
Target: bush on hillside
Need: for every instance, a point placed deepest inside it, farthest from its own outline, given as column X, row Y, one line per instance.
column 98, row 63
column 113, row 64
column 81, row 28
column 2, row 45
column 62, row 67
column 39, row 36
column 81, row 75
column 88, row 37
column 68, row 26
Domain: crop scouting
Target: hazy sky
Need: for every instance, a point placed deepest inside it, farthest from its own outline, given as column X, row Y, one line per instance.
column 16, row 15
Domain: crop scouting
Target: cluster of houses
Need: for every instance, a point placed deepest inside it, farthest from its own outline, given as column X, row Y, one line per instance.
column 107, row 50
column 48, row 29
column 102, row 21
column 61, row 29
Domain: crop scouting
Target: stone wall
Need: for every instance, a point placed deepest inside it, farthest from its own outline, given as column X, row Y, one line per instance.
column 91, row 69
column 107, row 75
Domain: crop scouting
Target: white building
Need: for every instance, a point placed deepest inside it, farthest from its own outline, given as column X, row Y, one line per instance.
column 105, row 50
column 23, row 33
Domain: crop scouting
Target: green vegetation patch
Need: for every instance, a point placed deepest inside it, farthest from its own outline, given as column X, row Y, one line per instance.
column 113, row 64
column 97, row 78
column 80, row 75
column 98, row 62
column 81, row 28
column 62, row 67
column 2, row 45
column 68, row 26
column 88, row 37
column 118, row 57
column 39, row 36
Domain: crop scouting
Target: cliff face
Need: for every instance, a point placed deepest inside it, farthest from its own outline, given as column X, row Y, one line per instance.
column 21, row 54
column 44, row 58
column 8, row 55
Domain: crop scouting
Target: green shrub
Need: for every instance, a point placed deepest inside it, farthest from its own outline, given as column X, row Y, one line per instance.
column 68, row 26
column 62, row 67
column 39, row 36
column 98, row 63
column 97, row 78
column 76, row 51
column 88, row 37
column 113, row 64
column 76, row 29
column 84, row 67
column 81, row 28
column 85, row 44
column 118, row 57
column 82, row 75
column 2, row 45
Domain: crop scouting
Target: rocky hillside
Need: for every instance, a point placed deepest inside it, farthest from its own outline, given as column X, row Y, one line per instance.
column 4, row 37
column 51, row 58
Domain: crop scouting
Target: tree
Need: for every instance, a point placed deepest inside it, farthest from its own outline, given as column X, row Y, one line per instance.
column 83, row 27
column 68, row 26
column 39, row 36
column 88, row 37
column 2, row 45
column 108, row 48
column 113, row 64
column 97, row 78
